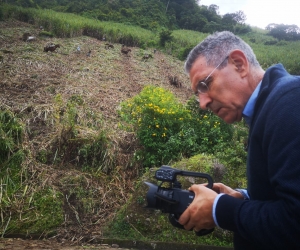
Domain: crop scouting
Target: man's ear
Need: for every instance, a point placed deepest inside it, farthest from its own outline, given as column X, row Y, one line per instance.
column 239, row 60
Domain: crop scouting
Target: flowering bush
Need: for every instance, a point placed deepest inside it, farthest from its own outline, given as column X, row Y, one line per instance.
column 167, row 129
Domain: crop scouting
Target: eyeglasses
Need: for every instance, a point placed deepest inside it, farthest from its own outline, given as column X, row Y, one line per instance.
column 202, row 86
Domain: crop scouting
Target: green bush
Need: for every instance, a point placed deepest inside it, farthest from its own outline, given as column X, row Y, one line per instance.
column 213, row 134
column 233, row 155
column 165, row 36
column 168, row 130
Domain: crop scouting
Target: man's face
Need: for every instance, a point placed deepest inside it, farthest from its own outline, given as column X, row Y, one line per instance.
column 227, row 92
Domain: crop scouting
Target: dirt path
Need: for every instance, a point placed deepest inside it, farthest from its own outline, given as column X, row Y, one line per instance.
column 20, row 244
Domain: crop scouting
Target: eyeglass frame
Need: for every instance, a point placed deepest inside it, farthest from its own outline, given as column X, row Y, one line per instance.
column 203, row 83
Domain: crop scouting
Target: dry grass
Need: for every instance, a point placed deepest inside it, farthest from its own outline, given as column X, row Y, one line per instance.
column 30, row 81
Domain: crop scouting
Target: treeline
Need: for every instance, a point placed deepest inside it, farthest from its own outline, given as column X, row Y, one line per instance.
column 149, row 14
column 284, row 32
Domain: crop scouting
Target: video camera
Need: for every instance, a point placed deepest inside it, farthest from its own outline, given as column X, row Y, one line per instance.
column 173, row 200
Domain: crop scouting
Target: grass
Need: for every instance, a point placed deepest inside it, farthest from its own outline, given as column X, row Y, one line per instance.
column 73, row 159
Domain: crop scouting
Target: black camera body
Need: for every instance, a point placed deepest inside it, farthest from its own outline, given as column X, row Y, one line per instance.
column 173, row 200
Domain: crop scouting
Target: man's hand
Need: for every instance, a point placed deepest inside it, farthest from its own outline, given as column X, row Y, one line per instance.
column 221, row 188
column 199, row 213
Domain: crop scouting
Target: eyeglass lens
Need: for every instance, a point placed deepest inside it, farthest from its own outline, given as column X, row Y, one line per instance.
column 202, row 87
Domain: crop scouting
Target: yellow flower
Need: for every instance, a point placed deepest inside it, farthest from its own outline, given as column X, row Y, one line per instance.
column 153, row 134
column 157, row 126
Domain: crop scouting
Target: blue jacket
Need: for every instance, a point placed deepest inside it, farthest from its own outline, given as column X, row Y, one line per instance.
column 271, row 218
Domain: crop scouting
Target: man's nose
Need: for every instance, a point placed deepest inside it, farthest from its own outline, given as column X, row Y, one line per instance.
column 204, row 101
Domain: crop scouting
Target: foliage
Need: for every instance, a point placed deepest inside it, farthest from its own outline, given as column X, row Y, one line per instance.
column 284, row 32
column 71, row 25
column 284, row 52
column 211, row 131
column 159, row 120
column 149, row 14
column 168, row 130
column 165, row 36
column 233, row 156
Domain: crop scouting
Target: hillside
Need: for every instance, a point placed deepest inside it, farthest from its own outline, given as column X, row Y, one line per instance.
column 37, row 87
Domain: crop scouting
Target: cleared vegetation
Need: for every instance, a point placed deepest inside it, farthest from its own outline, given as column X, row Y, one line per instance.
column 74, row 168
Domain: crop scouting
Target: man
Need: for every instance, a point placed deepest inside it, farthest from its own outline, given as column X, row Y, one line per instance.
column 229, row 81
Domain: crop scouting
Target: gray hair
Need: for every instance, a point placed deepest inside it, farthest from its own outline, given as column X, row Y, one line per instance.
column 217, row 47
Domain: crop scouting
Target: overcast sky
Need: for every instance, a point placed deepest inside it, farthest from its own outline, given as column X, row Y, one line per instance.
column 260, row 13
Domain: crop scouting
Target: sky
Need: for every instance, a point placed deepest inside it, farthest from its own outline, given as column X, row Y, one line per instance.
column 260, row 13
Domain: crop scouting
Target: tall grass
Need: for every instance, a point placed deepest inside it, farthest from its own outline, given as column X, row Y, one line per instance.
column 71, row 25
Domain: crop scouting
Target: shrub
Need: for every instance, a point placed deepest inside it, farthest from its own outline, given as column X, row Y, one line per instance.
column 233, row 155
column 168, row 130
column 183, row 52
column 212, row 132
column 165, row 36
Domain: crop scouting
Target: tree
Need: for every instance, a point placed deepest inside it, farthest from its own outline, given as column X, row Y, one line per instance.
column 284, row 32
column 213, row 8
column 234, row 18
column 229, row 19
column 240, row 17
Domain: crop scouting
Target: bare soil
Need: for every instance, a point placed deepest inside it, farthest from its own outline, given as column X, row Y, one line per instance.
column 31, row 78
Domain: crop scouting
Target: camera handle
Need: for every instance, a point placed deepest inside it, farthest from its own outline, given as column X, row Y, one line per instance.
column 202, row 175
column 174, row 221
column 168, row 174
